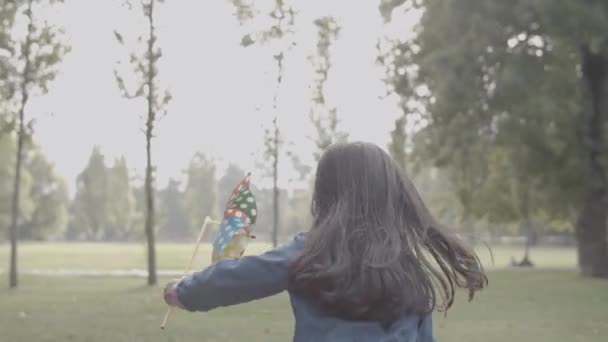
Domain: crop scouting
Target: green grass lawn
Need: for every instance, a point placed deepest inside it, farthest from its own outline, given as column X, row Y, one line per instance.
column 522, row 306
column 109, row 256
column 106, row 256
column 543, row 304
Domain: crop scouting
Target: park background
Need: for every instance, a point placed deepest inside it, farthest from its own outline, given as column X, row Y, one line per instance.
column 497, row 111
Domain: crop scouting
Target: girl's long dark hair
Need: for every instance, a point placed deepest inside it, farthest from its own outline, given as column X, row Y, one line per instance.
column 374, row 251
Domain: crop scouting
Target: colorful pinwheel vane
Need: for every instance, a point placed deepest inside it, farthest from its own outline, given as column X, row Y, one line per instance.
column 236, row 228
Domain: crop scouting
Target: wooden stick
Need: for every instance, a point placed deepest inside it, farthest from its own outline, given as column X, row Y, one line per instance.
column 198, row 243
column 166, row 318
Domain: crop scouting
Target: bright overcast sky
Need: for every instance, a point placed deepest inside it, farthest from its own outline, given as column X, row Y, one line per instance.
column 216, row 86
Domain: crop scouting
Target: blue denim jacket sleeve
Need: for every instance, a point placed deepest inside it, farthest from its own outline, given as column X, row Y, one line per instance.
column 234, row 281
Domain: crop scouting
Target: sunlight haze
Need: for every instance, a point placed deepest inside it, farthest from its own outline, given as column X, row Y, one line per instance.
column 222, row 92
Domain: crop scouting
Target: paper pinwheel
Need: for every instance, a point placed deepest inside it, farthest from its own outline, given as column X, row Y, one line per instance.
column 235, row 230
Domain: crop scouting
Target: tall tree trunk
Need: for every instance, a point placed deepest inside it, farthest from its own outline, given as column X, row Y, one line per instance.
column 275, row 154
column 465, row 197
column 14, row 234
column 150, row 212
column 275, row 187
column 526, row 258
column 591, row 223
column 526, row 228
column 468, row 224
column 521, row 191
column 16, row 198
column 591, row 236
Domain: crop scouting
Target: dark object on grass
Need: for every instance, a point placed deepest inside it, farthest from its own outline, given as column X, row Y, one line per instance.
column 524, row 263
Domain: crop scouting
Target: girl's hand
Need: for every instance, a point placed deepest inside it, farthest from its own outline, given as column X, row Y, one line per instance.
column 170, row 295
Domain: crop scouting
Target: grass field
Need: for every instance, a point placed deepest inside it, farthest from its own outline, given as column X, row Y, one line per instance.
column 175, row 256
column 555, row 306
column 549, row 303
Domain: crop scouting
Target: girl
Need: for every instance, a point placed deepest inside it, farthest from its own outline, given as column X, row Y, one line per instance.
column 371, row 268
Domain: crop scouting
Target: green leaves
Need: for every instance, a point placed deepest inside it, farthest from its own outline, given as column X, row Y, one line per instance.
column 200, row 192
column 44, row 199
column 397, row 146
column 386, row 7
column 140, row 79
column 245, row 10
column 503, row 111
column 121, row 207
column 49, row 196
column 323, row 116
column 90, row 207
column 247, row 40
column 119, row 38
column 44, row 48
column 104, row 206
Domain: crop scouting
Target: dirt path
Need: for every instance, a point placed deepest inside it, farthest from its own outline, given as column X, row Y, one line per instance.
column 97, row 273
column 140, row 273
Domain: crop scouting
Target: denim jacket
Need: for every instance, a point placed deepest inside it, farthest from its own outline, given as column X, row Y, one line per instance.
column 234, row 281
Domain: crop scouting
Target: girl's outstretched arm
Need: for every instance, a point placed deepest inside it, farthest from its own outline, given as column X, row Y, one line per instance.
column 235, row 281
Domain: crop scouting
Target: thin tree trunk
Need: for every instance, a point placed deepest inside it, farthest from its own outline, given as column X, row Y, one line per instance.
column 465, row 196
column 526, row 228
column 526, row 259
column 524, row 210
column 466, row 218
column 275, row 154
column 150, row 212
column 591, row 223
column 468, row 224
column 14, row 234
column 275, row 188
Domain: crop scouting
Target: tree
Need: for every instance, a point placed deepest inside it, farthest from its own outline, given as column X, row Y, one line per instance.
column 104, row 205
column 231, row 177
column 398, row 142
column 200, row 192
column 90, row 207
column 297, row 216
column 265, row 199
column 533, row 84
column 395, row 56
column 302, row 169
column 171, row 203
column 435, row 188
column 139, row 194
column 47, row 196
column 121, row 202
column 8, row 146
column 43, row 206
column 455, row 135
column 272, row 144
column 591, row 223
column 324, row 117
column 145, row 67
column 511, row 196
column 8, row 9
column 279, row 36
column 36, row 56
